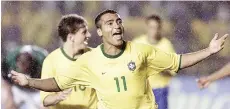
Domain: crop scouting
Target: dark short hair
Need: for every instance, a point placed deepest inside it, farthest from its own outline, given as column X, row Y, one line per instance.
column 154, row 17
column 98, row 18
column 70, row 23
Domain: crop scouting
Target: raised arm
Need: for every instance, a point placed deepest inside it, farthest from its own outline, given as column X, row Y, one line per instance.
column 215, row 46
column 223, row 72
column 48, row 85
column 158, row 61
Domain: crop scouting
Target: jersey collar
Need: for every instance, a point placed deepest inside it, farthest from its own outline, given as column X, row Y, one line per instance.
column 68, row 57
column 113, row 56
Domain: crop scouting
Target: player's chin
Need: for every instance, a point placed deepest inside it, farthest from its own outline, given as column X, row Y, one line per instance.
column 84, row 46
column 118, row 42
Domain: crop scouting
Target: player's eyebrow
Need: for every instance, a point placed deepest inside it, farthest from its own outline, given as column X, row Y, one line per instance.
column 84, row 31
column 111, row 20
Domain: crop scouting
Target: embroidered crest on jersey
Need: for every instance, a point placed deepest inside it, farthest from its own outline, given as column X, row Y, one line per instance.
column 131, row 66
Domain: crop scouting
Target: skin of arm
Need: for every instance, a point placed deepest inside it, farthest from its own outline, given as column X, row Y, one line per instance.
column 23, row 80
column 205, row 81
column 215, row 46
column 53, row 99
column 223, row 72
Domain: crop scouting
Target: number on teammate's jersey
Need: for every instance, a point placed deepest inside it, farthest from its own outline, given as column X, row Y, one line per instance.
column 81, row 87
column 117, row 83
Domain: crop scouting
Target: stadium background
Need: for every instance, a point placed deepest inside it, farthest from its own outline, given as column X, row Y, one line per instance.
column 189, row 25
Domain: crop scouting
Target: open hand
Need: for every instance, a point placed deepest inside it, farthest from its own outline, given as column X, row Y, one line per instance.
column 217, row 44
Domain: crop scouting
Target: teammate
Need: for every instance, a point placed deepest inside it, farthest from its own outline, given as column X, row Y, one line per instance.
column 73, row 31
column 158, row 82
column 223, row 72
column 118, row 70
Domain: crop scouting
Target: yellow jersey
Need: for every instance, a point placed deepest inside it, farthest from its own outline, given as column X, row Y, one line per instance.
column 120, row 80
column 159, row 80
column 80, row 97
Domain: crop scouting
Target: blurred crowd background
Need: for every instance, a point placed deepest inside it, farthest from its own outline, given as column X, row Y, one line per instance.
column 188, row 25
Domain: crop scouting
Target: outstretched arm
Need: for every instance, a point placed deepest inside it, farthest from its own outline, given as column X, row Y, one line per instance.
column 205, row 81
column 192, row 58
column 48, row 85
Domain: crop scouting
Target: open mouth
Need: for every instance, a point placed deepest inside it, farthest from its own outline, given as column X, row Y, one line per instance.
column 86, row 41
column 117, row 35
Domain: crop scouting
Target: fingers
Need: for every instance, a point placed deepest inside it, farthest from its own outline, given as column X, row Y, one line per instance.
column 199, row 83
column 14, row 78
column 202, row 82
column 69, row 90
column 63, row 97
column 14, row 73
column 16, row 81
column 200, row 86
column 64, row 94
column 224, row 37
column 206, row 85
column 222, row 40
column 215, row 37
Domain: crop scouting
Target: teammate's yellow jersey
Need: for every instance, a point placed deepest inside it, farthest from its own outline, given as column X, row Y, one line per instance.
column 80, row 97
column 159, row 80
column 121, row 80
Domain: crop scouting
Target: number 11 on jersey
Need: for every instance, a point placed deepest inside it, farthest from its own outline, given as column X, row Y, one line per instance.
column 118, row 85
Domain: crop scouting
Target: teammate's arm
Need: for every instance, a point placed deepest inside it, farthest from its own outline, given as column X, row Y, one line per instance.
column 53, row 99
column 192, row 58
column 223, row 72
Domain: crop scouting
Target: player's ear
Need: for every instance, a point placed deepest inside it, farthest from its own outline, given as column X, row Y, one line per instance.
column 99, row 32
column 70, row 37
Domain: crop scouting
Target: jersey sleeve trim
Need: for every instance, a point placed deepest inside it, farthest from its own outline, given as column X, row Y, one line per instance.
column 59, row 85
column 179, row 63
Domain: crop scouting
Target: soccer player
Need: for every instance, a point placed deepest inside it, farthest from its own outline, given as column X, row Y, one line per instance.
column 223, row 72
column 117, row 69
column 158, row 82
column 73, row 31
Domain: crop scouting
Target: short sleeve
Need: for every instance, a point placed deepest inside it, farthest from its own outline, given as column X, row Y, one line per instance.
column 47, row 72
column 169, row 47
column 78, row 73
column 158, row 61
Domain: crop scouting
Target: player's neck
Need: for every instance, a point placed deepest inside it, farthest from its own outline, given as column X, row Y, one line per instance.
column 71, row 51
column 154, row 40
column 112, row 50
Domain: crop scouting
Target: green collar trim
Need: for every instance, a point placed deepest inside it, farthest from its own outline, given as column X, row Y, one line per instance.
column 113, row 56
column 68, row 57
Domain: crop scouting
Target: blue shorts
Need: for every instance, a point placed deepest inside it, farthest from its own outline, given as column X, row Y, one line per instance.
column 161, row 95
